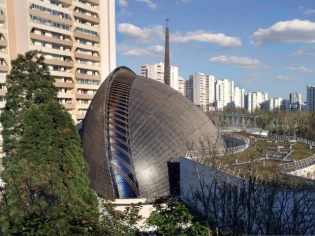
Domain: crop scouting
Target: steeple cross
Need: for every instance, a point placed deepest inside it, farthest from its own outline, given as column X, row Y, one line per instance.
column 167, row 20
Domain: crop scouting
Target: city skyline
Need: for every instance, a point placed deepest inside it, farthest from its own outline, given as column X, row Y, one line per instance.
column 261, row 45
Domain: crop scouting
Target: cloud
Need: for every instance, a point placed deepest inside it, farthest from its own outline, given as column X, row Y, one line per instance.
column 285, row 78
column 243, row 62
column 309, row 12
column 149, row 3
column 123, row 3
column 207, row 37
column 251, row 75
column 156, row 50
column 133, row 32
column 295, row 31
column 299, row 69
column 299, row 52
column 183, row 1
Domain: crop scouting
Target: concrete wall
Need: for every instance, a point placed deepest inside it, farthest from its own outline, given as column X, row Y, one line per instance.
column 247, row 207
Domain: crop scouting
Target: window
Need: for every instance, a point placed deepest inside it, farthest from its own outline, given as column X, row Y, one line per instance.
column 88, row 81
column 87, row 32
column 43, row 21
column 50, row 11
column 56, row 46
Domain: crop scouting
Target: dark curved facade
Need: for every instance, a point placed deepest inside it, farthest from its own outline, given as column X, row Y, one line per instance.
column 133, row 128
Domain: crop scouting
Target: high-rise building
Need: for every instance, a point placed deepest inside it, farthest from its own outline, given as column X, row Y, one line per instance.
column 248, row 101
column 239, row 97
column 285, row 105
column 200, row 89
column 77, row 38
column 224, row 93
column 181, row 86
column 296, row 101
column 310, row 97
column 156, row 72
column 189, row 89
column 255, row 100
column 273, row 104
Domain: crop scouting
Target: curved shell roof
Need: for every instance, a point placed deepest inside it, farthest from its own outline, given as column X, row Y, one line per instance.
column 133, row 128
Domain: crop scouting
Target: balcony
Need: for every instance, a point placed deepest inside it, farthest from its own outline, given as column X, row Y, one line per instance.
column 3, row 43
column 80, row 116
column 86, row 17
column 61, row 73
column 87, row 37
column 2, row 18
column 88, row 57
column 59, row 63
column 69, row 106
column 51, row 40
column 65, row 95
column 4, row 68
column 84, row 96
column 64, row 85
column 3, row 93
column 86, row 76
column 65, row 2
column 50, row 17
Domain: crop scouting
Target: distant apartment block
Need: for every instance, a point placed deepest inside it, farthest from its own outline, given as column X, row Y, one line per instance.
column 296, row 101
column 255, row 101
column 77, row 38
column 200, row 89
column 273, row 104
column 285, row 105
column 310, row 96
column 189, row 89
column 156, row 72
column 181, row 86
column 224, row 94
column 248, row 101
column 239, row 97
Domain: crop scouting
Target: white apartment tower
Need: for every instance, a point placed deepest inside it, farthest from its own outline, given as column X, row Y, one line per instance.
column 310, row 98
column 181, row 86
column 257, row 99
column 224, row 93
column 248, row 101
column 77, row 38
column 239, row 97
column 156, row 72
column 274, row 104
column 296, row 101
column 200, row 90
column 189, row 89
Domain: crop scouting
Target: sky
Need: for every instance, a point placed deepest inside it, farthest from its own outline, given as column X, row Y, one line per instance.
column 263, row 45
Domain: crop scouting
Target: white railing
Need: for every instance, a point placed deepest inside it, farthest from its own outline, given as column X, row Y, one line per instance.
column 295, row 165
column 221, row 151
column 289, row 138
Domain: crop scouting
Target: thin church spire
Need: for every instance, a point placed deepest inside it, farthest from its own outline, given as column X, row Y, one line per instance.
column 167, row 79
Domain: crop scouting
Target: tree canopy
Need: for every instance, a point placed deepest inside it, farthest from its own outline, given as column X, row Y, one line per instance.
column 47, row 189
column 29, row 82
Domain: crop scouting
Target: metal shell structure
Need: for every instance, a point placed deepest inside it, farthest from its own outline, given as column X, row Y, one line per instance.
column 133, row 128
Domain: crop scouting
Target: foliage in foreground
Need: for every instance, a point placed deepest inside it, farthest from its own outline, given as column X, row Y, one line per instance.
column 47, row 179
column 46, row 191
column 29, row 82
column 172, row 217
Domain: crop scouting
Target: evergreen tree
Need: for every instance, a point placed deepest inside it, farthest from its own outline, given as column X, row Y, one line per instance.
column 29, row 82
column 46, row 183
